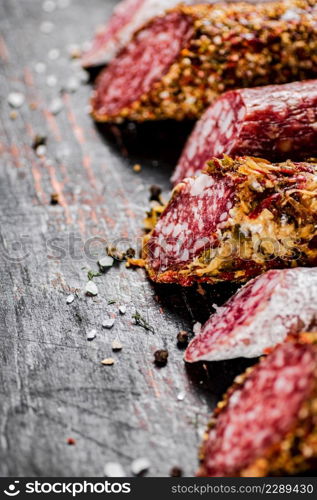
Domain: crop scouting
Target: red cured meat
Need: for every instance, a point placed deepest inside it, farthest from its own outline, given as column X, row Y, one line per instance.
column 273, row 122
column 128, row 16
column 262, row 314
column 239, row 218
column 180, row 62
column 189, row 222
column 110, row 97
column 267, row 422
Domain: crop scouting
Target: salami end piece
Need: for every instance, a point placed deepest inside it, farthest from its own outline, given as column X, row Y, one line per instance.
column 266, row 424
column 178, row 63
column 259, row 316
column 128, row 17
column 275, row 122
column 238, row 219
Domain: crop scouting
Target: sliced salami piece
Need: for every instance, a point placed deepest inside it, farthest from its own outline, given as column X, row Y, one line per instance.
column 236, row 220
column 262, row 314
column 128, row 17
column 266, row 424
column 178, row 63
column 275, row 122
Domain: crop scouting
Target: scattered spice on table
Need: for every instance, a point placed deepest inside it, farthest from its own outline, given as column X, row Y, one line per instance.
column 114, row 469
column 16, row 99
column 182, row 338
column 91, row 289
column 39, row 140
column 108, row 361
column 91, row 334
column 56, row 104
column 116, row 345
column 108, row 323
column 161, row 357
column 176, row 472
column 155, row 193
column 122, row 310
column 115, row 253
column 181, row 396
column 140, row 466
column 93, row 274
column 105, row 262
column 142, row 322
column 54, row 197
column 70, row 299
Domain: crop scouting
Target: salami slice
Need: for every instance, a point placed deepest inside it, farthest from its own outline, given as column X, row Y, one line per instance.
column 262, row 314
column 178, row 63
column 236, row 220
column 266, row 424
column 128, row 17
column 275, row 122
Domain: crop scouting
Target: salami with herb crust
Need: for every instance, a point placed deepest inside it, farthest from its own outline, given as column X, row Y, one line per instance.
column 259, row 316
column 275, row 122
column 238, row 219
column 178, row 63
column 266, row 425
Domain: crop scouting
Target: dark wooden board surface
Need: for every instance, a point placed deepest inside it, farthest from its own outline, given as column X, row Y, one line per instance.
column 52, row 385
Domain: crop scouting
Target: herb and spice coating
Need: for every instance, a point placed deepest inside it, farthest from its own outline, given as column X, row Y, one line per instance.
column 180, row 62
column 235, row 221
column 259, row 316
column 266, row 425
column 275, row 122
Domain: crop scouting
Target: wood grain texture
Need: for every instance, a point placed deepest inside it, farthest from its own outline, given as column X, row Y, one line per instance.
column 52, row 384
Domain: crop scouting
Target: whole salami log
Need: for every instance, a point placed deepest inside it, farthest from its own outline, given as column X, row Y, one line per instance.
column 178, row 63
column 236, row 220
column 128, row 17
column 275, row 122
column 266, row 424
column 261, row 315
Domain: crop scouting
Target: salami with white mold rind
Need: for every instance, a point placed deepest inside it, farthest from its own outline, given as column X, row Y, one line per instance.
column 259, row 316
column 275, row 122
column 238, row 219
column 266, row 425
column 178, row 63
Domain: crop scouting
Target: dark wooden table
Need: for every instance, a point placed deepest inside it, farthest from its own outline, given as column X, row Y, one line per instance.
column 53, row 386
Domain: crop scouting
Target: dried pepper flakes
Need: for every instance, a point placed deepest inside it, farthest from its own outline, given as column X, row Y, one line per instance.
column 178, row 63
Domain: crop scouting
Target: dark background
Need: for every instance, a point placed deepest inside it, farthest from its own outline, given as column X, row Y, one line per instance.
column 52, row 385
